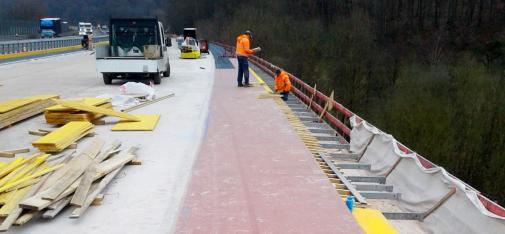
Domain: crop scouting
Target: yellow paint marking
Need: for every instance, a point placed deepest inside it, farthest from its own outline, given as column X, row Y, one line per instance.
column 260, row 80
column 372, row 221
column 46, row 51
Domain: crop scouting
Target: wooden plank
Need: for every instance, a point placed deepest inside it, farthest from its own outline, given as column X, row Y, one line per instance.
column 38, row 203
column 113, row 147
column 37, row 133
column 78, row 212
column 17, row 151
column 83, row 189
column 146, row 123
column 30, row 177
column 56, row 208
column 16, row 212
column 99, row 110
column 148, row 103
column 98, row 200
column 7, row 154
column 75, row 170
column 24, row 218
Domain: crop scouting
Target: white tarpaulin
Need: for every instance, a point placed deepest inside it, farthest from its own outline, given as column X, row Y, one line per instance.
column 422, row 188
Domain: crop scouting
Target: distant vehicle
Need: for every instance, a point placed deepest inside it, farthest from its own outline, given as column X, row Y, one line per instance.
column 179, row 41
column 190, row 32
column 85, row 28
column 50, row 27
column 189, row 47
column 137, row 48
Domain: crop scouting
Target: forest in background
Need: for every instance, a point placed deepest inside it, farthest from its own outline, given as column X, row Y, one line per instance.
column 429, row 72
column 94, row 11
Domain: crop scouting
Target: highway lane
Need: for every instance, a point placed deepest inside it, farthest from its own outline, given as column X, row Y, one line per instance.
column 142, row 199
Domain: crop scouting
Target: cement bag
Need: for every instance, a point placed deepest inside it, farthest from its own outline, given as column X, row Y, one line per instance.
column 133, row 88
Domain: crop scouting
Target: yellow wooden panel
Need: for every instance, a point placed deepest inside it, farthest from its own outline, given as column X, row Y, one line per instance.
column 146, row 123
column 372, row 221
column 62, row 137
column 79, row 106
column 86, row 101
column 9, row 105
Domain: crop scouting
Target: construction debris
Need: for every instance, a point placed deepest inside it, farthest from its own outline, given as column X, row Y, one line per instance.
column 63, row 137
column 98, row 110
column 12, row 153
column 18, row 179
column 13, row 111
column 33, row 186
column 147, row 123
column 59, row 114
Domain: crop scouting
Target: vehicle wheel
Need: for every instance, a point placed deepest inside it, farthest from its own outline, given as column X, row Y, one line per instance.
column 167, row 72
column 157, row 78
column 107, row 79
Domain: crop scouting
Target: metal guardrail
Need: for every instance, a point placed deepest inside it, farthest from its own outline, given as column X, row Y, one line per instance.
column 18, row 46
column 303, row 91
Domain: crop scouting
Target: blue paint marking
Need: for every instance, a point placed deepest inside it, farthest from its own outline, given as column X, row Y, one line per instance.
column 220, row 61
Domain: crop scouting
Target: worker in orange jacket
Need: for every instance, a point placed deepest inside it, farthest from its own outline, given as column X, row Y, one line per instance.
column 282, row 83
column 243, row 52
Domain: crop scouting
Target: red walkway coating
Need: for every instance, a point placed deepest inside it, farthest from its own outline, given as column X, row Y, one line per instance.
column 254, row 175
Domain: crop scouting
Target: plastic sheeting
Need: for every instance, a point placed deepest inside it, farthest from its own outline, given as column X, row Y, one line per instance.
column 422, row 188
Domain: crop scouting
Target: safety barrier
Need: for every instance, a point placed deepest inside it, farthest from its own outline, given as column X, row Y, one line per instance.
column 303, row 91
column 343, row 123
column 21, row 46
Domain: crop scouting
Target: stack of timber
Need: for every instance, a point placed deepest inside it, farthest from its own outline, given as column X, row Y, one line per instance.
column 78, row 184
column 18, row 180
column 59, row 115
column 63, row 137
column 15, row 110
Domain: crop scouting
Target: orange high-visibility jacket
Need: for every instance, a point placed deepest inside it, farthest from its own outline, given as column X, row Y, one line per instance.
column 243, row 46
column 282, row 82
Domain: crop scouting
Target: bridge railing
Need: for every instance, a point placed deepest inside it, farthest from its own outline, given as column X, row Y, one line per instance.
column 342, row 124
column 339, row 121
column 19, row 46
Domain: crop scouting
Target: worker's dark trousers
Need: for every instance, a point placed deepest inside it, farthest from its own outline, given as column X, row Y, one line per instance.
column 243, row 69
column 285, row 96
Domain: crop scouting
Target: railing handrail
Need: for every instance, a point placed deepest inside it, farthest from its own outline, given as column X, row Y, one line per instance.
column 47, row 39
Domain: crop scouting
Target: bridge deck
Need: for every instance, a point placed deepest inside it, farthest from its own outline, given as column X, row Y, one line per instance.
column 254, row 175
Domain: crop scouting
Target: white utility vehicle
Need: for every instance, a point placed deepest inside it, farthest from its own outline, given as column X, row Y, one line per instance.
column 137, row 49
column 85, row 28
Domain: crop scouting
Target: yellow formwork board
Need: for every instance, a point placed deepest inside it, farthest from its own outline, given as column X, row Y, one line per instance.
column 372, row 221
column 92, row 101
column 9, row 105
column 62, row 137
column 190, row 55
column 147, row 123
column 88, row 108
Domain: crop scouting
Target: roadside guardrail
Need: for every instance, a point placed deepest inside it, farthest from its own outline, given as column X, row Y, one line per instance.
column 19, row 46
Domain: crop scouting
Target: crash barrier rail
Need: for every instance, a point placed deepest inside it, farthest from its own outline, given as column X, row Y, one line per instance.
column 19, row 46
column 303, row 91
column 341, row 122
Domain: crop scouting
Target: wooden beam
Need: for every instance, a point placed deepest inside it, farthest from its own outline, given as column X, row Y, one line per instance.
column 83, row 189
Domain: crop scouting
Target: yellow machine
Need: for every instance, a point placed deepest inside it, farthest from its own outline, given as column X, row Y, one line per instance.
column 189, row 51
column 189, row 47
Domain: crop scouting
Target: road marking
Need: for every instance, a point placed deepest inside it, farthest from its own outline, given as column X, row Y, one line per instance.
column 261, row 81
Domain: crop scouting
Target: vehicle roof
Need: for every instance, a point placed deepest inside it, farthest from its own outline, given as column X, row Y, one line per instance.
column 50, row 19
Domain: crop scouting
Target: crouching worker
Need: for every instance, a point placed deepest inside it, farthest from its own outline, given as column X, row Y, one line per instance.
column 282, row 83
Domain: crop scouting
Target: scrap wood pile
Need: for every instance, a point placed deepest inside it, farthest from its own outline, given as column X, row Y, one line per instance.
column 59, row 114
column 36, row 186
column 15, row 110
